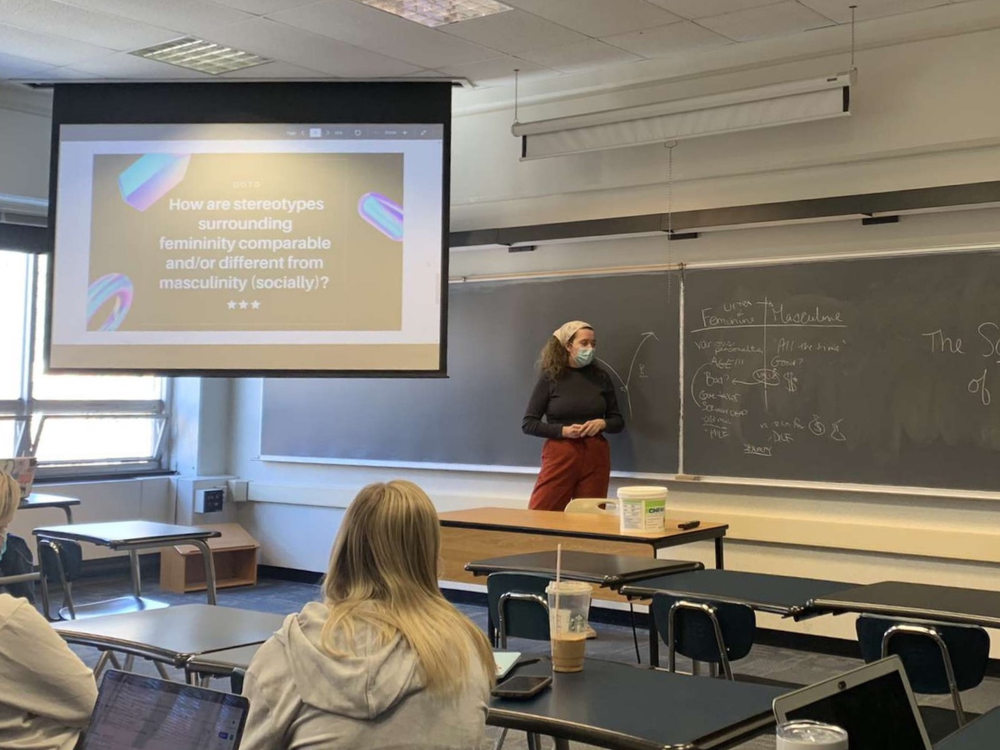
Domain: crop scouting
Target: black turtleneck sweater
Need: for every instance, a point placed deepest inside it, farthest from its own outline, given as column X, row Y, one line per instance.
column 580, row 395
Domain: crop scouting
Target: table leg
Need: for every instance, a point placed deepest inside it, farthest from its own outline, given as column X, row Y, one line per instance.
column 719, row 561
column 102, row 662
column 654, row 642
column 44, row 585
column 69, row 513
column 133, row 559
column 206, row 555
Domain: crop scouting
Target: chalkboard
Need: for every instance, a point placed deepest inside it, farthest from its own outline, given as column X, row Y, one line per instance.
column 496, row 331
column 874, row 371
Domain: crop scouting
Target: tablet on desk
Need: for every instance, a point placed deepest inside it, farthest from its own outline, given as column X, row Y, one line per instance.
column 505, row 662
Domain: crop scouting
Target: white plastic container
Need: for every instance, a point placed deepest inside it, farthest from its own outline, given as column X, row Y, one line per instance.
column 642, row 508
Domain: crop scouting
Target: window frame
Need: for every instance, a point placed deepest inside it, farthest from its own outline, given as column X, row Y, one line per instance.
column 30, row 415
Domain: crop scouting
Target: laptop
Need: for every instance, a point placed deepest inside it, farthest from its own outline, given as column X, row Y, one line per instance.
column 135, row 712
column 874, row 704
column 23, row 470
column 505, row 662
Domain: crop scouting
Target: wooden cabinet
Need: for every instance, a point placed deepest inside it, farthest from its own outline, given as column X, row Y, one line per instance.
column 234, row 553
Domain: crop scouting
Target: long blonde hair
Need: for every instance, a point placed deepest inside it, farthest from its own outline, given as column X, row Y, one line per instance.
column 383, row 573
column 10, row 497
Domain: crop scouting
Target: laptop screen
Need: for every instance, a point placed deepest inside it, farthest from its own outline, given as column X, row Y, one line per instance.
column 134, row 712
column 876, row 714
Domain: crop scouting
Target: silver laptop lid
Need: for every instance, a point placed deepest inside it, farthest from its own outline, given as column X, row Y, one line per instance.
column 135, row 712
column 873, row 703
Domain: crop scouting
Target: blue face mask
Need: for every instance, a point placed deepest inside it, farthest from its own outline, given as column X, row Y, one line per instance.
column 584, row 357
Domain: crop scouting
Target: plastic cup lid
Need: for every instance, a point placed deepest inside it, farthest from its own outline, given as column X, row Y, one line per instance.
column 641, row 493
column 569, row 587
column 811, row 732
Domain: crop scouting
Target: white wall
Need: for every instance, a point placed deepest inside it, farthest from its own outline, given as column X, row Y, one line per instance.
column 25, row 135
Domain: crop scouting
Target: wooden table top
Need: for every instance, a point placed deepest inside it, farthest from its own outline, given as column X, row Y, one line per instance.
column 557, row 523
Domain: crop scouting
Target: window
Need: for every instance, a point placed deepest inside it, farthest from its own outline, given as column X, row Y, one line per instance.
column 75, row 424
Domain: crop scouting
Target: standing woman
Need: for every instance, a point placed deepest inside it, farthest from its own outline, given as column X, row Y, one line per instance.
column 578, row 401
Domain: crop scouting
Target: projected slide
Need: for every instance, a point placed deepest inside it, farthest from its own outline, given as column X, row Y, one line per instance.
column 248, row 247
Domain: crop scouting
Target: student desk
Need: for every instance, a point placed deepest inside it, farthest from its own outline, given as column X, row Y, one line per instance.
column 916, row 600
column 170, row 636
column 493, row 532
column 608, row 571
column 782, row 595
column 35, row 501
column 625, row 707
column 133, row 536
column 982, row 733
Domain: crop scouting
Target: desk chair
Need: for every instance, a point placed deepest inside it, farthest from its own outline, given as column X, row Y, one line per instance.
column 713, row 632
column 62, row 560
column 938, row 659
column 592, row 505
column 519, row 607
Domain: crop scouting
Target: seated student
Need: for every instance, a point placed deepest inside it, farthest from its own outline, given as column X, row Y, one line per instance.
column 385, row 661
column 46, row 693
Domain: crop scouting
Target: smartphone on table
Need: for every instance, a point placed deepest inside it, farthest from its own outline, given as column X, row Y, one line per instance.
column 521, row 687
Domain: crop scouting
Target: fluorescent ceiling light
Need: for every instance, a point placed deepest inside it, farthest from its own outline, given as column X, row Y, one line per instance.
column 197, row 54
column 734, row 111
column 439, row 12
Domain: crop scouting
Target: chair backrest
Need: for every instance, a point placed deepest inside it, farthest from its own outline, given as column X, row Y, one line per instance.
column 968, row 647
column 694, row 633
column 592, row 505
column 522, row 619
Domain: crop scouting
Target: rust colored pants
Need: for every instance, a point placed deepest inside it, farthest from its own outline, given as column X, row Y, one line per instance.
column 571, row 468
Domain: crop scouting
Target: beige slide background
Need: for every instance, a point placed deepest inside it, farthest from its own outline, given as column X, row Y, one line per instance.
column 363, row 268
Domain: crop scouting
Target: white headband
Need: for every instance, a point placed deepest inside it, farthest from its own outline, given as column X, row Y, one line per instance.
column 567, row 331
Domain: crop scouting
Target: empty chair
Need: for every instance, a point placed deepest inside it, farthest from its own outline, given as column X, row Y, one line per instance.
column 518, row 606
column 592, row 505
column 702, row 630
column 938, row 658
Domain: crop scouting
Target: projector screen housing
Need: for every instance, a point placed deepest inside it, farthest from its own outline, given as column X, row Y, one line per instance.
column 250, row 229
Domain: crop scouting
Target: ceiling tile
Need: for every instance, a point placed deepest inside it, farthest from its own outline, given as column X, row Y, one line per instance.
column 498, row 71
column 64, row 74
column 514, row 31
column 44, row 48
column 384, row 33
column 262, row 7
column 274, row 70
column 668, row 40
column 579, row 56
column 598, row 18
column 768, row 21
column 840, row 10
column 71, row 22
column 19, row 67
column 185, row 16
column 702, row 8
column 279, row 42
column 124, row 65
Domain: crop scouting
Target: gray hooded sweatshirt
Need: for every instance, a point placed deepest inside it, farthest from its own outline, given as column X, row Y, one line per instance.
column 301, row 698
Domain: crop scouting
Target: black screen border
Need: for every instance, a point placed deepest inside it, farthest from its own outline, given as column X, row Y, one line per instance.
column 231, row 102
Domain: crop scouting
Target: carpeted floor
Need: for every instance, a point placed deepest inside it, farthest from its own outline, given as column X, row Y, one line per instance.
column 613, row 642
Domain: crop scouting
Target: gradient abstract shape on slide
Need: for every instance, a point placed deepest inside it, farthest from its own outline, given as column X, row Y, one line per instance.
column 382, row 213
column 113, row 286
column 150, row 177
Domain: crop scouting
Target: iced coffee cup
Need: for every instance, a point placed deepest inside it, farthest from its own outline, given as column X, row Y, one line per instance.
column 569, row 608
